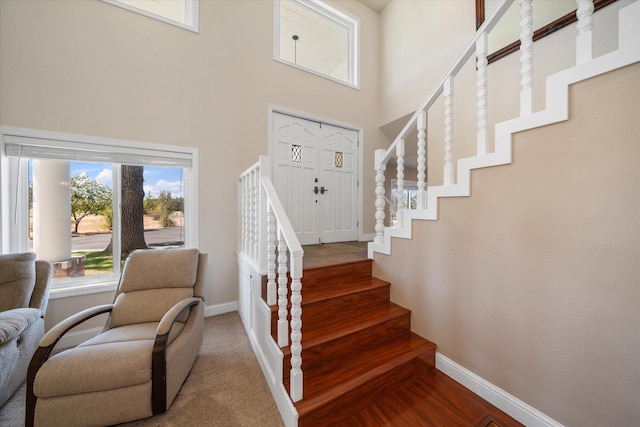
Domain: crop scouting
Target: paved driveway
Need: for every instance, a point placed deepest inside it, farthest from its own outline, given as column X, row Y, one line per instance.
column 159, row 237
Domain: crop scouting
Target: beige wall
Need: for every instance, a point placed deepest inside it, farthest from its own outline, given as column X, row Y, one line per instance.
column 87, row 67
column 533, row 282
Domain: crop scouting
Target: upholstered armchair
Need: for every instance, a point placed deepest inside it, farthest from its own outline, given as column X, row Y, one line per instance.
column 136, row 365
column 24, row 293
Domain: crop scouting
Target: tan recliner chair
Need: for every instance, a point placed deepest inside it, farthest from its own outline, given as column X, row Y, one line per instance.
column 24, row 293
column 136, row 365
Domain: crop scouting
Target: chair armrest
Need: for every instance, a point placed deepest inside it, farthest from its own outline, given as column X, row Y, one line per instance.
column 14, row 322
column 47, row 344
column 158, row 358
column 170, row 316
column 53, row 336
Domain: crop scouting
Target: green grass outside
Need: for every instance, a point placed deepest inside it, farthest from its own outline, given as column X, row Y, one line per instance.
column 96, row 262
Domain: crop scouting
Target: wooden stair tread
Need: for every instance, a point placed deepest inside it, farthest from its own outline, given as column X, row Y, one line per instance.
column 430, row 398
column 336, row 329
column 326, row 328
column 332, row 380
column 324, row 267
column 339, row 289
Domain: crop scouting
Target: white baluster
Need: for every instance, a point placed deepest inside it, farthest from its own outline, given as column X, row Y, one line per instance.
column 584, row 49
column 422, row 158
column 400, row 190
column 243, row 213
column 481, row 85
column 380, row 165
column 283, row 326
column 250, row 212
column 526, row 57
column 449, row 171
column 256, row 217
column 296, row 329
column 271, row 256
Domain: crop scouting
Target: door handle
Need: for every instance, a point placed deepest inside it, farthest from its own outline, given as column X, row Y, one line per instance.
column 315, row 189
column 322, row 190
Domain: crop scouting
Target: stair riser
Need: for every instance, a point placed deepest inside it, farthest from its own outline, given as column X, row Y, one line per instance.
column 349, row 403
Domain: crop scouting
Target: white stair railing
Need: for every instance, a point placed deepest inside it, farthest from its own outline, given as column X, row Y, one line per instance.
column 456, row 179
column 419, row 122
column 270, row 243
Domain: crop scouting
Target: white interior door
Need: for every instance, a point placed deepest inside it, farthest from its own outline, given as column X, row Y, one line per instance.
column 315, row 175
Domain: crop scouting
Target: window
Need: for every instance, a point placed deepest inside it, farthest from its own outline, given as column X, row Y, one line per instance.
column 82, row 202
column 409, row 196
column 183, row 13
column 317, row 38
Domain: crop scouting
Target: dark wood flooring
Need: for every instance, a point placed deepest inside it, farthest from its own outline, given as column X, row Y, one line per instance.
column 362, row 364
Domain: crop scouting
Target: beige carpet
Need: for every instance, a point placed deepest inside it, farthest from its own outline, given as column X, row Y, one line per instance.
column 225, row 388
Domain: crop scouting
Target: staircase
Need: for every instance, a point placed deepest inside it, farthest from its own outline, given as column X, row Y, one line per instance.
column 364, row 366
column 358, row 362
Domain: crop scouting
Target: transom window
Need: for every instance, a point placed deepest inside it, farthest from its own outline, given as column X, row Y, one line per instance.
column 183, row 13
column 84, row 203
column 318, row 38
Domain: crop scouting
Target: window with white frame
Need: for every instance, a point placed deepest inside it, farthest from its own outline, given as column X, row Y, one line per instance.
column 82, row 203
column 183, row 13
column 313, row 36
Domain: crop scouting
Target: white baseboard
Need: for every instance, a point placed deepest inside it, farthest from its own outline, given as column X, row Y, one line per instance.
column 511, row 405
column 366, row 237
column 214, row 310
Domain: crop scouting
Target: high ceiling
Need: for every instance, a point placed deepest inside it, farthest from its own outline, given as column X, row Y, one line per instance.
column 376, row 5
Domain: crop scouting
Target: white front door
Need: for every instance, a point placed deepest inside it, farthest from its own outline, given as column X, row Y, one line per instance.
column 315, row 175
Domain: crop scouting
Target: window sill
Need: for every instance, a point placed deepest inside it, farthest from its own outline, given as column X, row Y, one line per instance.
column 310, row 71
column 66, row 291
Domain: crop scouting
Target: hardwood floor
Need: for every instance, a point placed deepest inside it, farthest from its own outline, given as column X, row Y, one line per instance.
column 362, row 364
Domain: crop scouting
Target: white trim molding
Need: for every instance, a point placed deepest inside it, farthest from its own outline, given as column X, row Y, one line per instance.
column 493, row 394
column 214, row 310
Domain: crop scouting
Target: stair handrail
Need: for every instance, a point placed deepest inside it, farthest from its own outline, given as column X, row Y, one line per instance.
column 267, row 237
column 456, row 183
column 484, row 29
column 477, row 45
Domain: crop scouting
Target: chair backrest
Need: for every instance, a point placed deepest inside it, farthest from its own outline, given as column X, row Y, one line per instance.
column 17, row 280
column 152, row 281
column 40, row 295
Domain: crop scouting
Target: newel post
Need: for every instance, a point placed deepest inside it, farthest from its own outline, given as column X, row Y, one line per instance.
column 380, row 166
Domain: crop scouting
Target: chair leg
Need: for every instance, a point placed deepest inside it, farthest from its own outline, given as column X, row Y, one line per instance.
column 39, row 357
column 159, row 375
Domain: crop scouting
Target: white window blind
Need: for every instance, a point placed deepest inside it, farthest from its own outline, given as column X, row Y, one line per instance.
column 41, row 148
